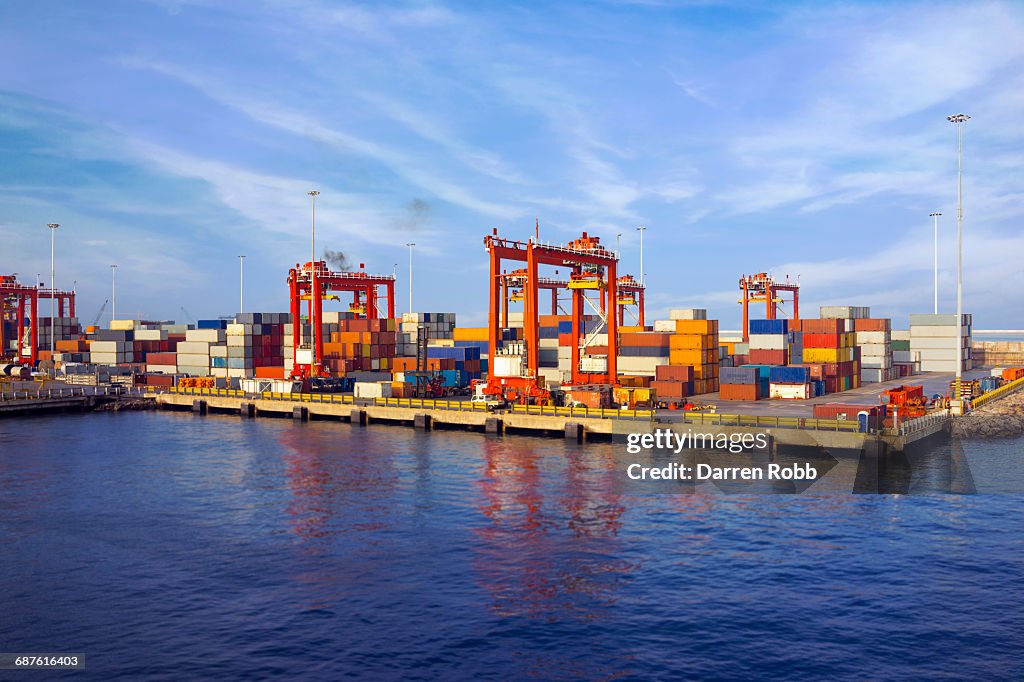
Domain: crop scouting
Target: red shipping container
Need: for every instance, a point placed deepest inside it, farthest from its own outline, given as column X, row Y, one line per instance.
column 823, row 326
column 767, row 357
column 740, row 391
column 159, row 379
column 670, row 390
column 821, row 341
column 673, row 373
column 872, row 325
column 162, row 359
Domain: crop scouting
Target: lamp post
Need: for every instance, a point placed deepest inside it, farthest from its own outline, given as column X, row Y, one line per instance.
column 36, row 308
column 935, row 217
column 643, row 278
column 958, row 120
column 113, row 294
column 53, row 232
column 312, row 279
column 618, row 245
column 241, row 284
column 410, row 245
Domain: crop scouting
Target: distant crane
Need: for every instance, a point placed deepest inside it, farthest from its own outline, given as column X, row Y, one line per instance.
column 103, row 307
column 188, row 315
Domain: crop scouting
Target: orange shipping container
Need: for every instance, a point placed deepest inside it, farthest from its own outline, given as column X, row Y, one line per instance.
column 1013, row 373
column 474, row 333
column 692, row 357
column 692, row 341
column 696, row 326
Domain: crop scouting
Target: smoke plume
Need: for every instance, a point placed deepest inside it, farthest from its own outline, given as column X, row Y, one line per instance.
column 337, row 260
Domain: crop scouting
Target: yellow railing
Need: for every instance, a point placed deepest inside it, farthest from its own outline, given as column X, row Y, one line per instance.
column 997, row 393
column 766, row 421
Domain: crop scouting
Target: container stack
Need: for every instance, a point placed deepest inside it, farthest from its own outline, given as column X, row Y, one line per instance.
column 873, row 338
column 934, row 338
column 740, row 383
column 695, row 343
column 365, row 345
column 769, row 342
column 793, row 383
column 642, row 353
column 672, row 384
column 904, row 361
column 475, row 337
column 831, row 348
column 436, row 326
column 194, row 353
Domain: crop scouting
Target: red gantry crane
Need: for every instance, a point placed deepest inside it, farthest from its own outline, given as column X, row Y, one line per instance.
column 22, row 301
column 764, row 287
column 314, row 282
column 592, row 267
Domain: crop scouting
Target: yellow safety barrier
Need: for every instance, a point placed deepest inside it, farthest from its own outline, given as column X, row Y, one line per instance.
column 997, row 393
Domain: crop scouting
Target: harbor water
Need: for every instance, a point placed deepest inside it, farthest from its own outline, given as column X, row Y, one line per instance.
column 168, row 546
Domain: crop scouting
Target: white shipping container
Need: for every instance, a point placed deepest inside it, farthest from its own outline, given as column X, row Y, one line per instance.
column 929, row 331
column 687, row 314
column 161, row 369
column 790, row 391
column 151, row 335
column 900, row 334
column 218, row 351
column 193, row 348
column 875, row 349
column 193, row 360
column 372, row 389
column 665, row 326
column 872, row 376
column 941, row 354
column 864, row 338
column 507, row 366
column 876, row 362
column 937, row 342
column 207, row 335
column 767, row 342
column 642, row 366
column 593, row 363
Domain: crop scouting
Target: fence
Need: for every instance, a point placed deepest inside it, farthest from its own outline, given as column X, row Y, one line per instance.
column 1000, row 392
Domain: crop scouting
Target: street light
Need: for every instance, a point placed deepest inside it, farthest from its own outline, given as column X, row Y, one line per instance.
column 410, row 245
column 312, row 280
column 935, row 217
column 53, row 232
column 958, row 120
column 618, row 245
column 643, row 279
column 241, row 283
column 113, row 294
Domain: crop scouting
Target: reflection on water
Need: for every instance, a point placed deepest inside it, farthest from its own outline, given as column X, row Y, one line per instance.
column 269, row 549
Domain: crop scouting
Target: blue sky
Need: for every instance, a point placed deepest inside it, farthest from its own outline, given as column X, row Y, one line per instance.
column 805, row 139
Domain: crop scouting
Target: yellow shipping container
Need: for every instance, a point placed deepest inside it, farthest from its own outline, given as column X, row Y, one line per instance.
column 469, row 334
column 705, row 371
column 122, row 325
column 815, row 355
column 691, row 341
column 697, row 327
column 693, row 357
column 631, row 329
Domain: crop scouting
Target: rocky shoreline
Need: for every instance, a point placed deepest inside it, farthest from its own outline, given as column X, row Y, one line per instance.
column 127, row 405
column 1003, row 418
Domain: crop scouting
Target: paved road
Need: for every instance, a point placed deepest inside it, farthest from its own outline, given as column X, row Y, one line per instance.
column 933, row 382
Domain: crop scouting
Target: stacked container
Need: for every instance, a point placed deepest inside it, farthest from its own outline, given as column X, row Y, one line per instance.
column 673, row 383
column 934, row 338
column 790, row 383
column 768, row 342
column 740, row 383
column 641, row 353
column 695, row 343
column 830, row 351
column 873, row 338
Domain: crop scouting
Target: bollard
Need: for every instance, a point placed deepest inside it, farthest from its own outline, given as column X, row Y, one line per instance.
column 247, row 410
column 199, row 406
column 574, row 431
column 300, row 413
column 494, row 425
column 358, row 417
column 421, row 421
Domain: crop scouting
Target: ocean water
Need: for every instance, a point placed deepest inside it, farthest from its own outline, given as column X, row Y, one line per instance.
column 168, row 546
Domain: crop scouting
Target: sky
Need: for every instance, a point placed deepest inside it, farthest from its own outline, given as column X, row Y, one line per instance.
column 802, row 139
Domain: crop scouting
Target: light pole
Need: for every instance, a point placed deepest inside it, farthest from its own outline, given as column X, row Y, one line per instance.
column 113, row 294
column 36, row 311
column 959, row 120
column 53, row 232
column 241, row 284
column 643, row 279
column 312, row 280
column 618, row 245
column 935, row 217
column 410, row 245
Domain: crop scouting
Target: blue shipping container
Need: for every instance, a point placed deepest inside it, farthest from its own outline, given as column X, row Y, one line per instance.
column 769, row 326
column 789, row 375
